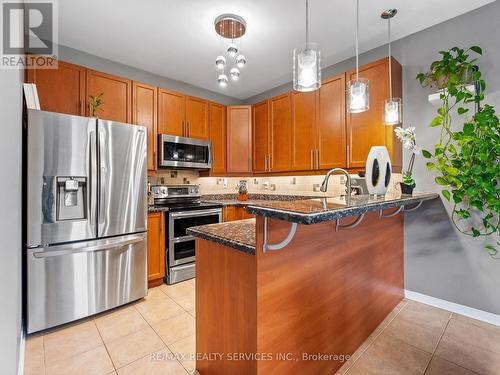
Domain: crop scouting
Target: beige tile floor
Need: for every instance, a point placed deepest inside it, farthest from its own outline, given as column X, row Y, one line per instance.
column 414, row 339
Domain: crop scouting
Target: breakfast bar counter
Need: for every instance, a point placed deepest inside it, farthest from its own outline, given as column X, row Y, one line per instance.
column 299, row 288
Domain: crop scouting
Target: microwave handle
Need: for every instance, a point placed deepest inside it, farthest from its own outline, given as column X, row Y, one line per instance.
column 210, row 154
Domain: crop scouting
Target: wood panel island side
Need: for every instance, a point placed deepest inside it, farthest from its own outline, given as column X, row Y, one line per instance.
column 303, row 308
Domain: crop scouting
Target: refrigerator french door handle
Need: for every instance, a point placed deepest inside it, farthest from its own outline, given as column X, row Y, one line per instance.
column 102, row 170
column 88, row 249
column 92, row 173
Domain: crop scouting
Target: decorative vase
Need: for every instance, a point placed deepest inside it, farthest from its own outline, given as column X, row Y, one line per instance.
column 378, row 170
column 242, row 191
column 407, row 189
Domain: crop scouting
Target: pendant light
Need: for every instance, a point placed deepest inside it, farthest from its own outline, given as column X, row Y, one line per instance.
column 392, row 106
column 358, row 90
column 307, row 63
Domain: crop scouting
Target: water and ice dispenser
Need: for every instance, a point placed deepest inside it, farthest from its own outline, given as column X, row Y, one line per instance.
column 71, row 198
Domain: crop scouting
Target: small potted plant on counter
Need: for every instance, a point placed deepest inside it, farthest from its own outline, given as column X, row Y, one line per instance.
column 407, row 138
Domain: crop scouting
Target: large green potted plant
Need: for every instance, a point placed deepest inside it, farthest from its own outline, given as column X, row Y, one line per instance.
column 466, row 157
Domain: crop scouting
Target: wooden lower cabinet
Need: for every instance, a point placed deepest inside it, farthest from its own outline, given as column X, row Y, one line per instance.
column 232, row 213
column 156, row 248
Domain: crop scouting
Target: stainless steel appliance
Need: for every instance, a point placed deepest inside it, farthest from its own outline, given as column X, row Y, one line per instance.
column 184, row 209
column 86, row 211
column 181, row 152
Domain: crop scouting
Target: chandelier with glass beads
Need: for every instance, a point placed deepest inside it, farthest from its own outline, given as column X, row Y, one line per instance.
column 230, row 27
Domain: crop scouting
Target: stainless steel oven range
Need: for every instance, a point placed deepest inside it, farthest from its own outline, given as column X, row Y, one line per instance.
column 183, row 209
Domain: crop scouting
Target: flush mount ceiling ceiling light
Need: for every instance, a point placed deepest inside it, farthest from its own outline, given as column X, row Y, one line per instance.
column 307, row 63
column 392, row 107
column 230, row 26
column 358, row 90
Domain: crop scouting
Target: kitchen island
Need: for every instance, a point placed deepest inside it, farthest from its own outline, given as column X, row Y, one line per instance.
column 298, row 289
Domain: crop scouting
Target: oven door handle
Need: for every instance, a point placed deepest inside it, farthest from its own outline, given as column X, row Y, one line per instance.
column 195, row 213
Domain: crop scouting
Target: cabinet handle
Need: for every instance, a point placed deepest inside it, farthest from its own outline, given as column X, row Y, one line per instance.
column 317, row 158
column 265, row 163
column 270, row 163
column 312, row 159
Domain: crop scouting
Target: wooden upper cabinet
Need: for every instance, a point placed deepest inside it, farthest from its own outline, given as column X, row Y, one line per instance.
column 367, row 129
column 60, row 90
column 331, row 124
column 281, row 133
column 218, row 137
column 196, row 118
column 171, row 113
column 304, row 107
column 156, row 248
column 117, row 96
column 261, row 133
column 239, row 139
column 144, row 112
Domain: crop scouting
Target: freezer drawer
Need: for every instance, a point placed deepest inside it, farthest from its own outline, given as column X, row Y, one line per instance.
column 70, row 282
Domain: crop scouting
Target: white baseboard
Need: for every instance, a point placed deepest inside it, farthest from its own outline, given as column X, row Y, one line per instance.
column 22, row 347
column 454, row 307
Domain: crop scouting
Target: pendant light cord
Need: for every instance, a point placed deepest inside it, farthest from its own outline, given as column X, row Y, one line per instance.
column 307, row 22
column 357, row 40
column 390, row 61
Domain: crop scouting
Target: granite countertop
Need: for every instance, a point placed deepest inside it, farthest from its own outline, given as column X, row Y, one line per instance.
column 253, row 198
column 239, row 234
column 311, row 211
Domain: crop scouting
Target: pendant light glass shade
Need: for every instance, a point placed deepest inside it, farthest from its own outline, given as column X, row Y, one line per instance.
column 392, row 111
column 358, row 95
column 307, row 68
column 393, row 114
column 241, row 60
column 222, row 80
column 234, row 73
column 358, row 90
column 232, row 49
column 220, row 62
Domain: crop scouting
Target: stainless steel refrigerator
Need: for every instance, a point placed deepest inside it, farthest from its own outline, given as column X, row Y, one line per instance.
column 86, row 212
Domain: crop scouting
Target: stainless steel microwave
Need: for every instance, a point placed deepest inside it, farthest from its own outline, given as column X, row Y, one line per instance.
column 181, row 152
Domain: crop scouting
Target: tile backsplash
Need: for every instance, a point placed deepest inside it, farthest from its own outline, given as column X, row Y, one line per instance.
column 293, row 185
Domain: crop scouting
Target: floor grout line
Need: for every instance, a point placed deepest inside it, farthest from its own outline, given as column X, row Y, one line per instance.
column 370, row 344
column 105, row 347
column 437, row 344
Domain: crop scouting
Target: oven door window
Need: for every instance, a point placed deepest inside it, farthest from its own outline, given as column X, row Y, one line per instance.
column 181, row 224
column 183, row 251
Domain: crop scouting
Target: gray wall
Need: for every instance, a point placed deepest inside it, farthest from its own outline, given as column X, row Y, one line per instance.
column 439, row 261
column 10, row 219
column 98, row 63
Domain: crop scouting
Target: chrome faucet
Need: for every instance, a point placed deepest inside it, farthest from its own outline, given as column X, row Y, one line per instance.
column 324, row 185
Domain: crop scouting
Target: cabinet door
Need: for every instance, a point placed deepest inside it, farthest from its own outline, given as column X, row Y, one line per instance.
column 229, row 213
column 331, row 124
column 218, row 137
column 366, row 129
column 117, row 96
column 156, row 248
column 239, row 139
column 197, row 118
column 260, row 119
column 304, row 130
column 281, row 133
column 171, row 113
column 60, row 90
column 144, row 112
